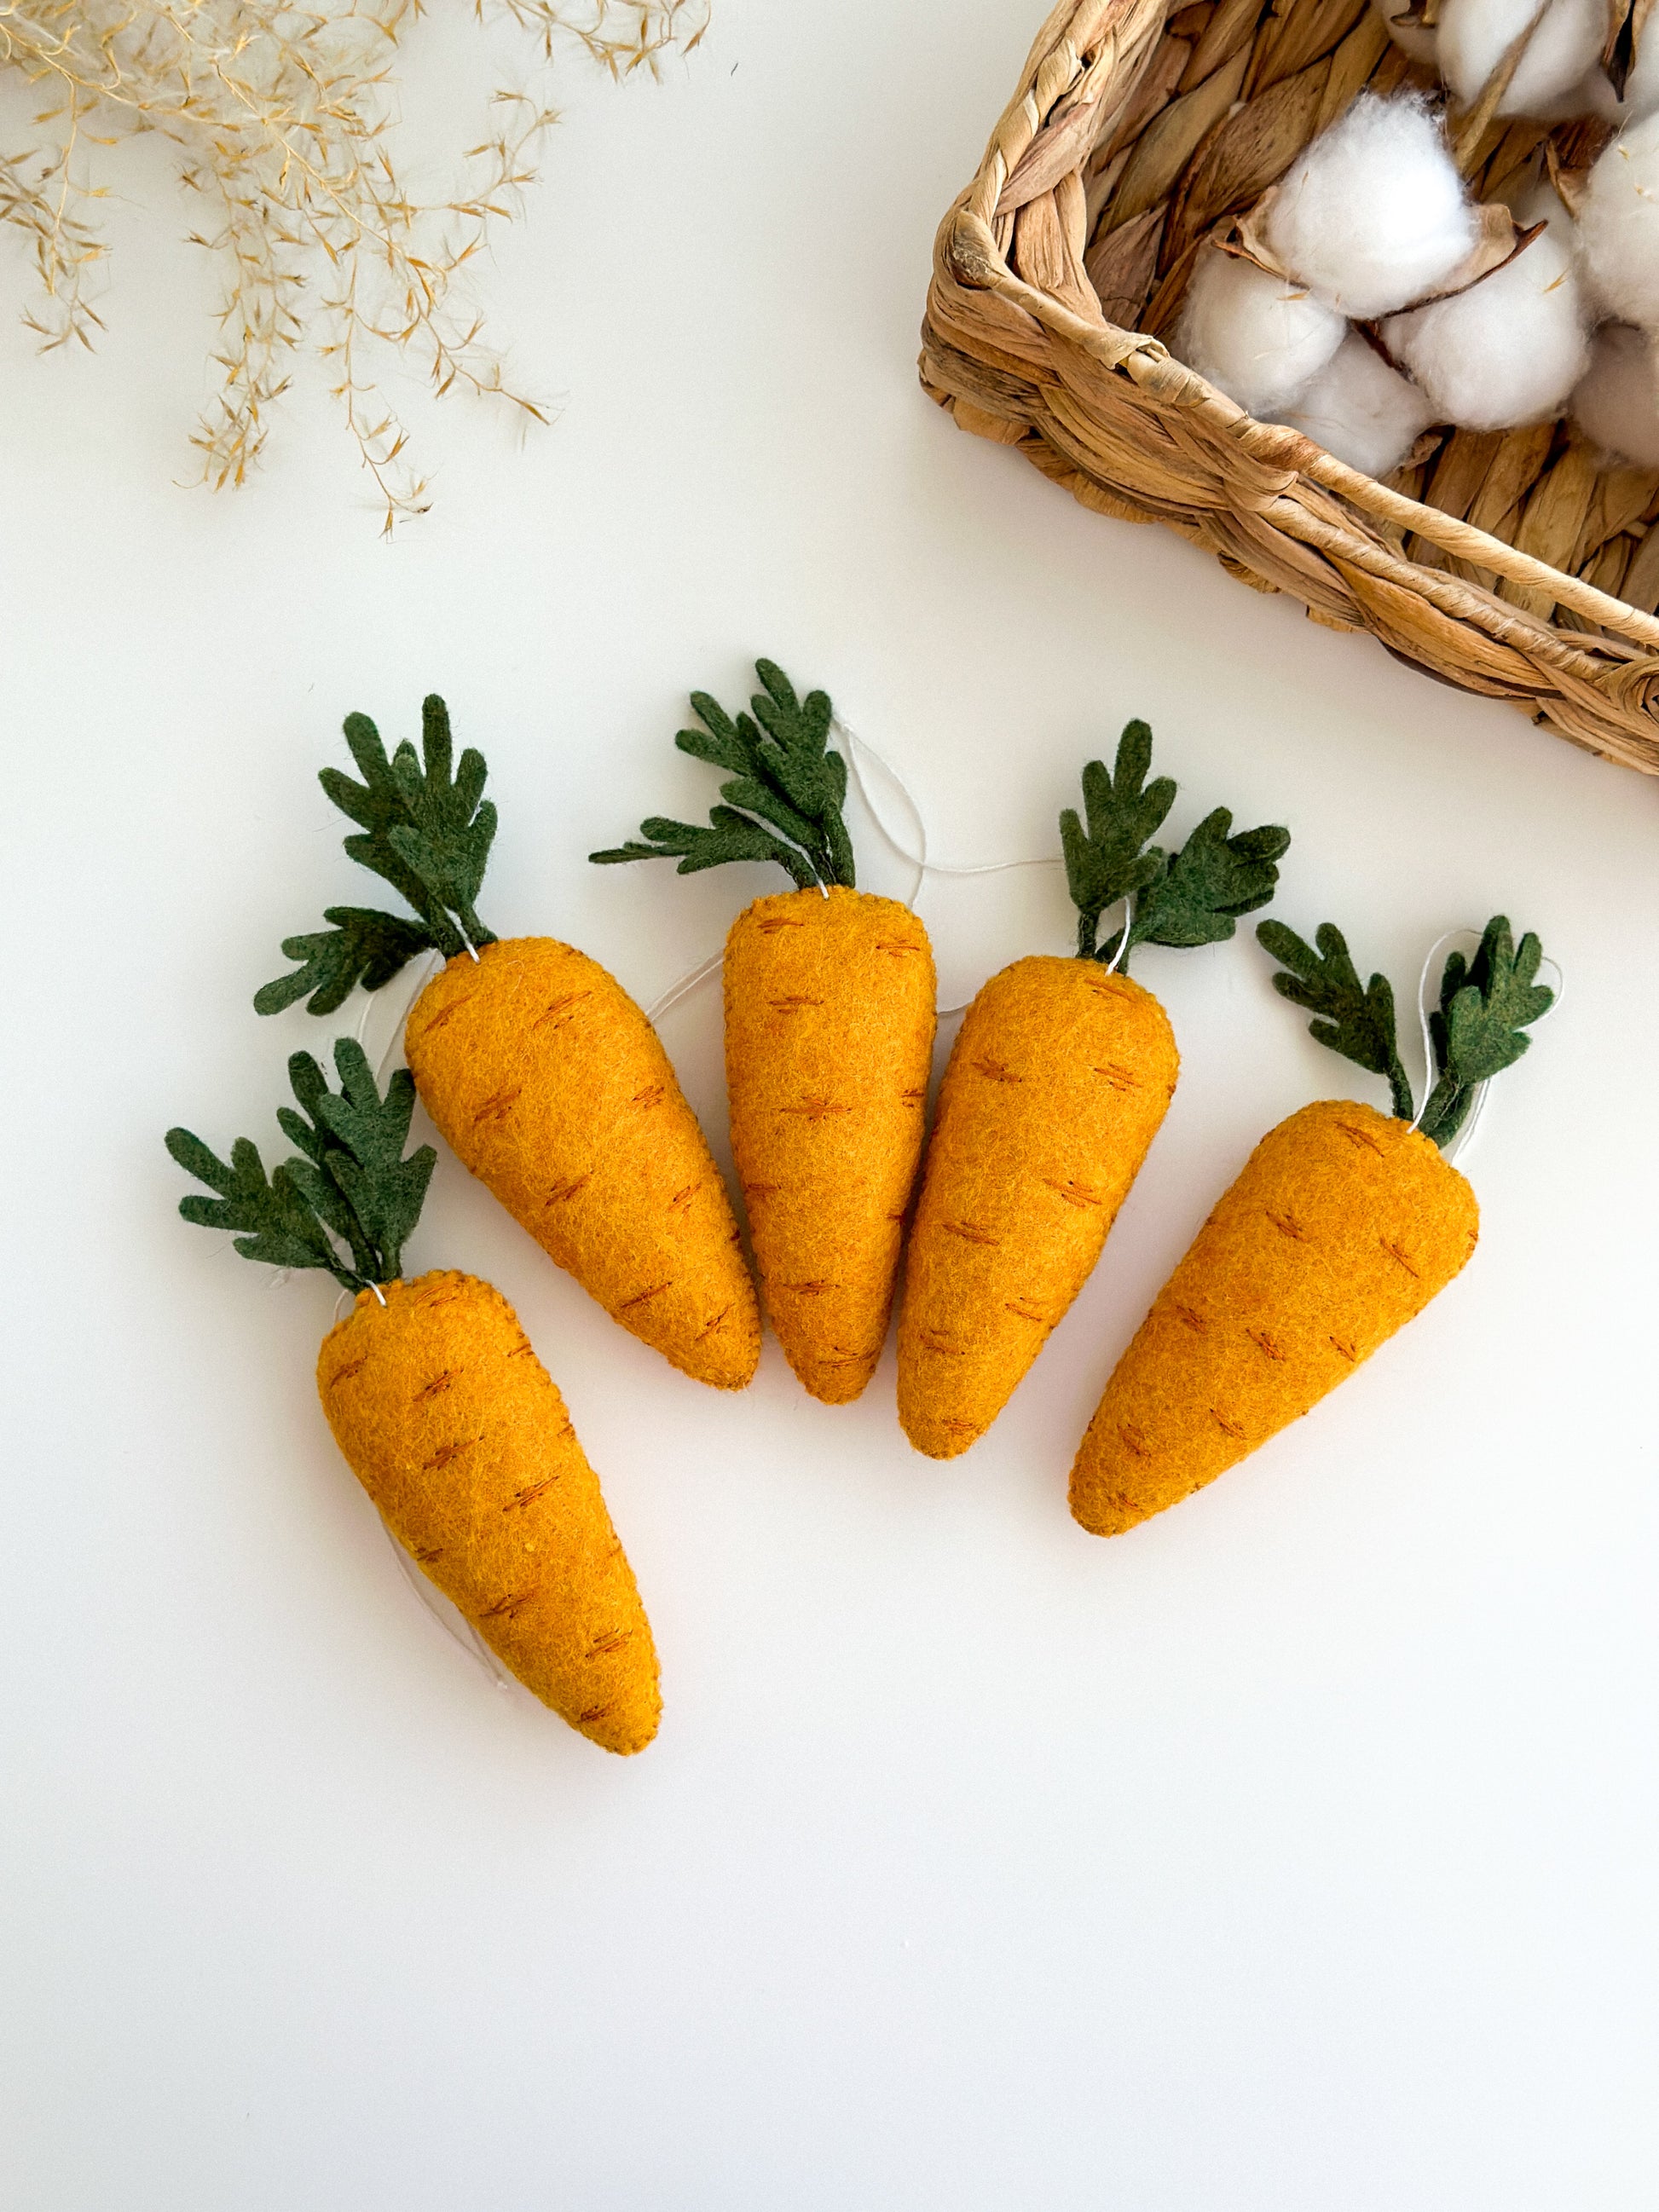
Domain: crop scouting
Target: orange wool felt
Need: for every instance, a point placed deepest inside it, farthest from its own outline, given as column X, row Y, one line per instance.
column 829, row 1015
column 549, row 1083
column 1059, row 1080
column 456, row 1430
column 1342, row 1226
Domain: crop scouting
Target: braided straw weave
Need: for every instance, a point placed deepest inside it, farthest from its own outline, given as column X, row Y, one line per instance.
column 1487, row 560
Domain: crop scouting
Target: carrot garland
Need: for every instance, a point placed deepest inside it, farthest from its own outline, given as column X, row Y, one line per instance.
column 442, row 1410
column 1343, row 1225
column 1060, row 1079
column 829, row 1015
column 541, row 1072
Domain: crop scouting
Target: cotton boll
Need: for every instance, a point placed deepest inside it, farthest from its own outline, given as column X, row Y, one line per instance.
column 1373, row 214
column 1360, row 409
column 1255, row 336
column 1617, row 404
column 1417, row 39
column 1618, row 226
column 1563, row 50
column 1508, row 350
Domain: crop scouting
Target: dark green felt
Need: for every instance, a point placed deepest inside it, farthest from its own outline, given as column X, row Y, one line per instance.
column 1192, row 896
column 352, row 1186
column 784, row 797
column 1476, row 1030
column 426, row 828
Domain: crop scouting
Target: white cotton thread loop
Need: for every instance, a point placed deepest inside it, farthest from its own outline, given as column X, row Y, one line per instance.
column 665, row 1001
column 454, row 1624
column 1116, row 960
column 1465, row 1136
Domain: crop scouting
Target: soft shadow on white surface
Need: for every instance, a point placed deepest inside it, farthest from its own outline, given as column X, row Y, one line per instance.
column 1294, row 1852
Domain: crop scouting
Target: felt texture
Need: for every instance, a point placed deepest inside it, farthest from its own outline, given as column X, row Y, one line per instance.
column 1343, row 1223
column 550, row 1085
column 1060, row 1079
column 458, row 1434
column 829, row 1015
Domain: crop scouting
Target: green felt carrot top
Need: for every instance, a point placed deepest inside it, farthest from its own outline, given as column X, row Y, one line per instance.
column 350, row 1205
column 1192, row 896
column 1476, row 1030
column 783, row 801
column 425, row 830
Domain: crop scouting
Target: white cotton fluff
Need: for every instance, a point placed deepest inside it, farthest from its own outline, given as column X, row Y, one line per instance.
column 1373, row 214
column 1565, row 46
column 1508, row 350
column 1256, row 337
column 1618, row 226
column 1617, row 404
column 1360, row 409
column 1417, row 39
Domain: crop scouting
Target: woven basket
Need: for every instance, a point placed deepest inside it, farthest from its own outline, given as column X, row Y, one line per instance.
column 1487, row 560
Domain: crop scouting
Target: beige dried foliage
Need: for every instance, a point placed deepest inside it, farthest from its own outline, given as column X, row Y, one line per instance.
column 281, row 116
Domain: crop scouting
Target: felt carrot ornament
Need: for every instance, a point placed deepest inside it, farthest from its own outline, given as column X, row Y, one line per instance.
column 830, row 1011
column 1343, row 1223
column 541, row 1072
column 443, row 1411
column 1060, row 1076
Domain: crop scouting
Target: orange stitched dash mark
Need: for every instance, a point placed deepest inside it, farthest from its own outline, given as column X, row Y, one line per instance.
column 448, row 1014
column 995, row 1071
column 615, row 1640
column 948, row 1348
column 1264, row 1343
column 1133, row 1441
column 439, row 1383
column 1188, row 1319
column 892, row 945
column 524, row 1349
column 1228, row 1428
column 1075, row 1194
column 1346, row 1350
column 1358, row 1136
column 497, row 1109
column 769, row 924
column 812, row 1290
column 529, row 1496
column 681, row 1201
column 445, row 1453
column 1288, row 1225
column 792, row 1006
column 561, row 1191
column 508, row 1607
column 1395, row 1252
column 558, row 1009
column 915, row 1097
column 593, row 1713
column 709, row 1326
column 643, row 1298
column 816, row 1110
column 761, row 1190
column 1121, row 1078
column 954, row 1425
column 425, row 1554
column 969, row 1233
column 1027, row 1309
column 653, row 1095
column 344, row 1374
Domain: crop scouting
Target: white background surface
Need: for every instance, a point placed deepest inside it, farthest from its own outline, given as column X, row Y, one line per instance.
column 1295, row 1852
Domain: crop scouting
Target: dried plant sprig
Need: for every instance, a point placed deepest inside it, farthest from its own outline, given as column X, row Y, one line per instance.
column 281, row 113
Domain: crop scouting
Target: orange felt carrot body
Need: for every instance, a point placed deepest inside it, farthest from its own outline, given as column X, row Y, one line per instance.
column 541, row 1072
column 548, row 1082
column 456, row 1430
column 1343, row 1225
column 1060, row 1079
column 1058, row 1082
column 828, row 1031
column 442, row 1410
column 828, row 1044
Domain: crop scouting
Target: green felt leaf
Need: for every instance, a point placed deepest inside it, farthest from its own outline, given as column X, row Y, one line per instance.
column 363, row 946
column 1354, row 1020
column 426, row 828
column 1106, row 858
column 784, row 799
column 1477, row 1029
column 1203, row 889
column 352, row 1182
